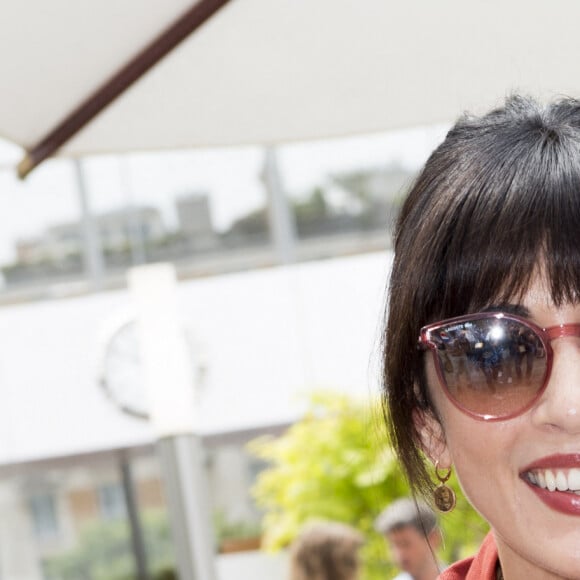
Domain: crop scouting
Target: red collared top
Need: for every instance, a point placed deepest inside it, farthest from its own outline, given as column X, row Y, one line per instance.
column 482, row 566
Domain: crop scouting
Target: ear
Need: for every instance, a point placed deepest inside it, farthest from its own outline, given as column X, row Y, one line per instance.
column 432, row 437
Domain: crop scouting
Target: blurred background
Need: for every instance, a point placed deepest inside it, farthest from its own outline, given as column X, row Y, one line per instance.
column 263, row 150
column 262, row 334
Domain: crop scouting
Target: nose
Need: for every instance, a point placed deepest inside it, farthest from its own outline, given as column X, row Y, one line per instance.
column 559, row 405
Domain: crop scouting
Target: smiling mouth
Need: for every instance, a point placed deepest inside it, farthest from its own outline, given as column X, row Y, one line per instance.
column 566, row 480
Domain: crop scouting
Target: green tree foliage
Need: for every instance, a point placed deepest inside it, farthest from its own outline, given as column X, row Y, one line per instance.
column 314, row 207
column 227, row 529
column 104, row 551
column 309, row 213
column 336, row 464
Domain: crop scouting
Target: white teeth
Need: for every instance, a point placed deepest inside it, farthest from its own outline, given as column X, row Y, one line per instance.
column 574, row 479
column 561, row 482
column 541, row 479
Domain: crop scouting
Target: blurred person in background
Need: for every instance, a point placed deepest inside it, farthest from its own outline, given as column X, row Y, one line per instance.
column 326, row 551
column 413, row 535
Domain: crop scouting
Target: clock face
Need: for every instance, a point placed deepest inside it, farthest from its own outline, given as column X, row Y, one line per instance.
column 121, row 375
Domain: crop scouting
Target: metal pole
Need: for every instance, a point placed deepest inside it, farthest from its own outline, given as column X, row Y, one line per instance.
column 170, row 382
column 134, row 222
column 281, row 217
column 92, row 253
column 186, row 487
column 137, row 539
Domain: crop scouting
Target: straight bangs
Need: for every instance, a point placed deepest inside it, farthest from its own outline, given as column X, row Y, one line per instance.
column 512, row 214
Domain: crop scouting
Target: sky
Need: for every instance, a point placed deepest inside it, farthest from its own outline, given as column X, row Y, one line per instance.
column 231, row 177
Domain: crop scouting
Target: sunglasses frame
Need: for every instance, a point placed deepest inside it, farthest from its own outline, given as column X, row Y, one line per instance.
column 546, row 336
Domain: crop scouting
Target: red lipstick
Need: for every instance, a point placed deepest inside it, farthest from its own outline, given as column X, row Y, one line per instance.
column 566, row 502
column 558, row 461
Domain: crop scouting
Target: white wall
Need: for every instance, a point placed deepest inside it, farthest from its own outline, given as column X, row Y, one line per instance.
column 267, row 337
column 252, row 566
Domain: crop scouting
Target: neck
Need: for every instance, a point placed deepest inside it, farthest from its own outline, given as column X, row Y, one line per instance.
column 429, row 571
column 514, row 567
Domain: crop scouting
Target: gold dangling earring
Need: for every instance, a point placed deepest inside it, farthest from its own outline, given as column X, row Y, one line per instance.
column 443, row 495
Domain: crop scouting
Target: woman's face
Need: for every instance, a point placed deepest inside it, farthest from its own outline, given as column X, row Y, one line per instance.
column 537, row 530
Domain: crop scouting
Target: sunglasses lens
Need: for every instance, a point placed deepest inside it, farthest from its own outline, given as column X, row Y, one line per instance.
column 493, row 367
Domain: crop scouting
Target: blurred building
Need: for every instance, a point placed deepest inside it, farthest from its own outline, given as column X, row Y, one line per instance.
column 266, row 337
column 195, row 223
column 116, row 230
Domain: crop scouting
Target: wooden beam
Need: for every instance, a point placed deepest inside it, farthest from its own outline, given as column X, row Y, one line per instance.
column 197, row 15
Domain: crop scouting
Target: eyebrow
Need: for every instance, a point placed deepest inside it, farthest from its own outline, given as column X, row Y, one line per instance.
column 509, row 308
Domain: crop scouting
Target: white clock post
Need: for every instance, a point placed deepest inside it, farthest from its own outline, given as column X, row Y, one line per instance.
column 170, row 387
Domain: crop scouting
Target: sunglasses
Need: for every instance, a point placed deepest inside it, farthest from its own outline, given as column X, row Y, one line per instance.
column 493, row 366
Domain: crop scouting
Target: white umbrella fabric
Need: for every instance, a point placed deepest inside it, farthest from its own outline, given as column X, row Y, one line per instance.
column 268, row 71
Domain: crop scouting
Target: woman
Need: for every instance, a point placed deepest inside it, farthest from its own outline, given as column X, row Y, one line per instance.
column 487, row 260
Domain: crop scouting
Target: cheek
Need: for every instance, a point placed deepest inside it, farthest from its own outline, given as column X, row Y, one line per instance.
column 475, row 463
column 443, row 406
column 479, row 451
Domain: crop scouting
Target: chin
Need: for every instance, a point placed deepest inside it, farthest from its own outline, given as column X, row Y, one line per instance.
column 552, row 546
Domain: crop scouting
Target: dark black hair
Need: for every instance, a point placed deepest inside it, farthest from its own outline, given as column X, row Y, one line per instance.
column 499, row 196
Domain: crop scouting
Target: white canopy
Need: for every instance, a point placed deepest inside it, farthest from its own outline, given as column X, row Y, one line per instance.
column 264, row 71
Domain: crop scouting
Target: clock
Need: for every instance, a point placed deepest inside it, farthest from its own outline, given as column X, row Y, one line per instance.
column 121, row 374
